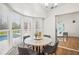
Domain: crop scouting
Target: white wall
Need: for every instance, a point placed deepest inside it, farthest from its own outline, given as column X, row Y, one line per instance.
column 70, row 27
column 65, row 9
column 49, row 27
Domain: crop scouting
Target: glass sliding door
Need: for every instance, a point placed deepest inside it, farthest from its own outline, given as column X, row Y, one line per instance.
column 4, row 32
column 16, row 28
column 3, row 29
column 27, row 26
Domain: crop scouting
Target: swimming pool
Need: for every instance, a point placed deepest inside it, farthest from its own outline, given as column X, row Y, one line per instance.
column 4, row 37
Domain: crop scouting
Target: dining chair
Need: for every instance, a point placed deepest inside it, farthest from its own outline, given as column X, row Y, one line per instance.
column 18, row 49
column 65, row 36
column 26, row 51
column 50, row 49
column 24, row 37
column 47, row 36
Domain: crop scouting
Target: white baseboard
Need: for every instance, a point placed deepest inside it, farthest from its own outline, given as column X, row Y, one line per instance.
column 68, row 48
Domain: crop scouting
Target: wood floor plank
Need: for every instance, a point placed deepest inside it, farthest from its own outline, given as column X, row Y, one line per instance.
column 72, row 43
column 61, row 51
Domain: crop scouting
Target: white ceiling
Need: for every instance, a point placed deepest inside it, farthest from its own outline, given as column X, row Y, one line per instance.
column 31, row 9
column 34, row 9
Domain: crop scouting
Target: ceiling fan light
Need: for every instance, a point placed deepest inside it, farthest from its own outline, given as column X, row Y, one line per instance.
column 55, row 4
column 46, row 4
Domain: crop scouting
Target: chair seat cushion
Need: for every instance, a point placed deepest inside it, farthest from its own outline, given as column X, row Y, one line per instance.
column 26, row 51
column 32, row 52
column 49, row 49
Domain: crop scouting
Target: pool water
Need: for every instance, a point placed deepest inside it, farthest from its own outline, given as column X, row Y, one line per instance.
column 5, row 37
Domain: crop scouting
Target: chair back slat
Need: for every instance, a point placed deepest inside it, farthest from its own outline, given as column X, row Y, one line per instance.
column 47, row 36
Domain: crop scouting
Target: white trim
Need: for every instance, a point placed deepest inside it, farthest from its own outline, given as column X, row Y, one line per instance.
column 16, row 29
column 68, row 48
column 4, row 30
column 22, row 27
column 10, row 29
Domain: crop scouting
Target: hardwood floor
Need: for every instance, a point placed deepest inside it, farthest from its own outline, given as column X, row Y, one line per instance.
column 70, row 47
column 62, row 51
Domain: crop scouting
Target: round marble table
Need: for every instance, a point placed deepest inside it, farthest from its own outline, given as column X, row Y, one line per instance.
column 38, row 42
